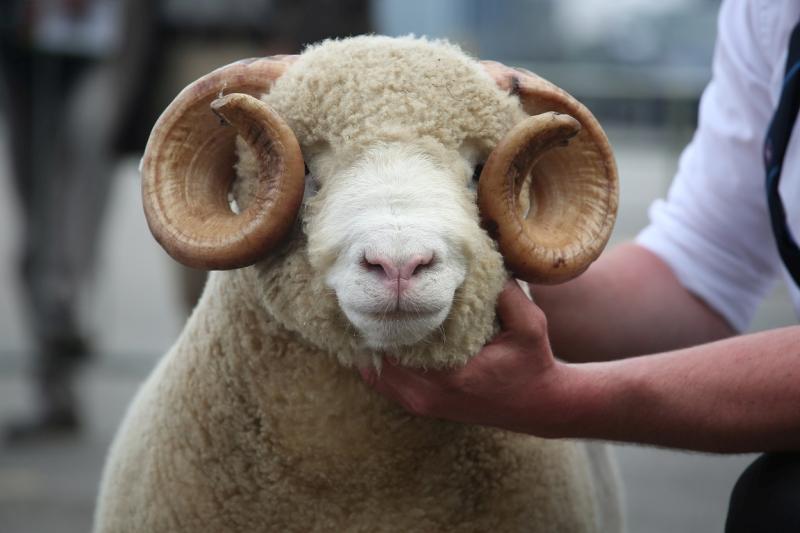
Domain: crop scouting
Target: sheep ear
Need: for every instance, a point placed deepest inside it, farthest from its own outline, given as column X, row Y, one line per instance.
column 188, row 168
column 561, row 226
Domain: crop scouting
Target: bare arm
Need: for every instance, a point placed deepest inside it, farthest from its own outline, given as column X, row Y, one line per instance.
column 628, row 303
column 735, row 395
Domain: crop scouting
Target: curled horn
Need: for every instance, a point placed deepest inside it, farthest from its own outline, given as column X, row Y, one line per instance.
column 573, row 192
column 188, row 168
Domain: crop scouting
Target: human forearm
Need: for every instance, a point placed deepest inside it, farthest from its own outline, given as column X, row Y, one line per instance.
column 628, row 303
column 735, row 395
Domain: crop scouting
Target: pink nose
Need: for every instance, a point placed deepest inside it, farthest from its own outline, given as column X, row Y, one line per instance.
column 394, row 270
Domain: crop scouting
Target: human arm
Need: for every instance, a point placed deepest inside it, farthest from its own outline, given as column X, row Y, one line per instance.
column 735, row 395
column 627, row 303
column 708, row 256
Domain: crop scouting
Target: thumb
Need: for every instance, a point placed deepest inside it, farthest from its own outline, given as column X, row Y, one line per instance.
column 516, row 311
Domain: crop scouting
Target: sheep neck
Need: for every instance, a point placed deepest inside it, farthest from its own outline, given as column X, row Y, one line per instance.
column 284, row 389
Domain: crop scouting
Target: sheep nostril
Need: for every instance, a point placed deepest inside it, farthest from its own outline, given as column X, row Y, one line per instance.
column 394, row 270
column 416, row 266
column 380, row 265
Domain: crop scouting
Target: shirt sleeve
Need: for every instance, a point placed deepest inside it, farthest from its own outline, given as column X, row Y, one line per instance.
column 713, row 229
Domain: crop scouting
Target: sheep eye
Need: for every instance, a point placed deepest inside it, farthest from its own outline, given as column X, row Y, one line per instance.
column 311, row 178
column 312, row 184
column 476, row 174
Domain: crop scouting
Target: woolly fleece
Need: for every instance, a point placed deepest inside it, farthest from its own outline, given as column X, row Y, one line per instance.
column 357, row 91
column 253, row 420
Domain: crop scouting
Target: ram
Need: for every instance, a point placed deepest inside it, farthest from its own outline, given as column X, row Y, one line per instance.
column 371, row 202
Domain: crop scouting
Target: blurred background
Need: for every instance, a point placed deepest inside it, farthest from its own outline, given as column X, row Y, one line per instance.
column 88, row 301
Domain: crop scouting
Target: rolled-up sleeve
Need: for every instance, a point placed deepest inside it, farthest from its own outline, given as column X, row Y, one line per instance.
column 713, row 229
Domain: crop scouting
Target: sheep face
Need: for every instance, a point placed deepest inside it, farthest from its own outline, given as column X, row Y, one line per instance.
column 391, row 131
column 389, row 256
column 392, row 233
column 389, row 253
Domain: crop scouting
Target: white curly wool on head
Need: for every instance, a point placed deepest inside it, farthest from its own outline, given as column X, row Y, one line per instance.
column 374, row 88
column 392, row 129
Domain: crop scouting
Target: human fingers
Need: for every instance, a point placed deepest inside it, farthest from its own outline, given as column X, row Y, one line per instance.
column 408, row 387
column 518, row 313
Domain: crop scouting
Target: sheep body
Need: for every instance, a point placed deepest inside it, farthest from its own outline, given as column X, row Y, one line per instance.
column 253, row 420
column 258, row 433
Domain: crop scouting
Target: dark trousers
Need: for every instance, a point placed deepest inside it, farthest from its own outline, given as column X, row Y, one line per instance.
column 60, row 111
column 39, row 88
column 766, row 497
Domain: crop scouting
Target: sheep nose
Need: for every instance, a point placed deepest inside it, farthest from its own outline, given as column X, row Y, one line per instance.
column 398, row 270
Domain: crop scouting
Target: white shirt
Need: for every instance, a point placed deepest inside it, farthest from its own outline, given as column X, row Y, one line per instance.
column 713, row 229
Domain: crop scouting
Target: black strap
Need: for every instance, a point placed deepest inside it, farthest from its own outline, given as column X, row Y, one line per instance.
column 780, row 129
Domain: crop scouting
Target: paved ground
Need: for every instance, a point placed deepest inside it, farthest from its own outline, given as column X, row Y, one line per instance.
column 51, row 488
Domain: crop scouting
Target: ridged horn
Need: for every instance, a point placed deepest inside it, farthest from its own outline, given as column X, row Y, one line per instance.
column 563, row 154
column 188, row 168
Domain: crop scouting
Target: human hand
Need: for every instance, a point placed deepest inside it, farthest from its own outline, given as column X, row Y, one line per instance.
column 513, row 382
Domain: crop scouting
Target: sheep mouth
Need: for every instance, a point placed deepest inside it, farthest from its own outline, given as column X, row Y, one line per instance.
column 391, row 329
column 395, row 315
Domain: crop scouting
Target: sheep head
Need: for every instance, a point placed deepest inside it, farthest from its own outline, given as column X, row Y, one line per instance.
column 420, row 164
